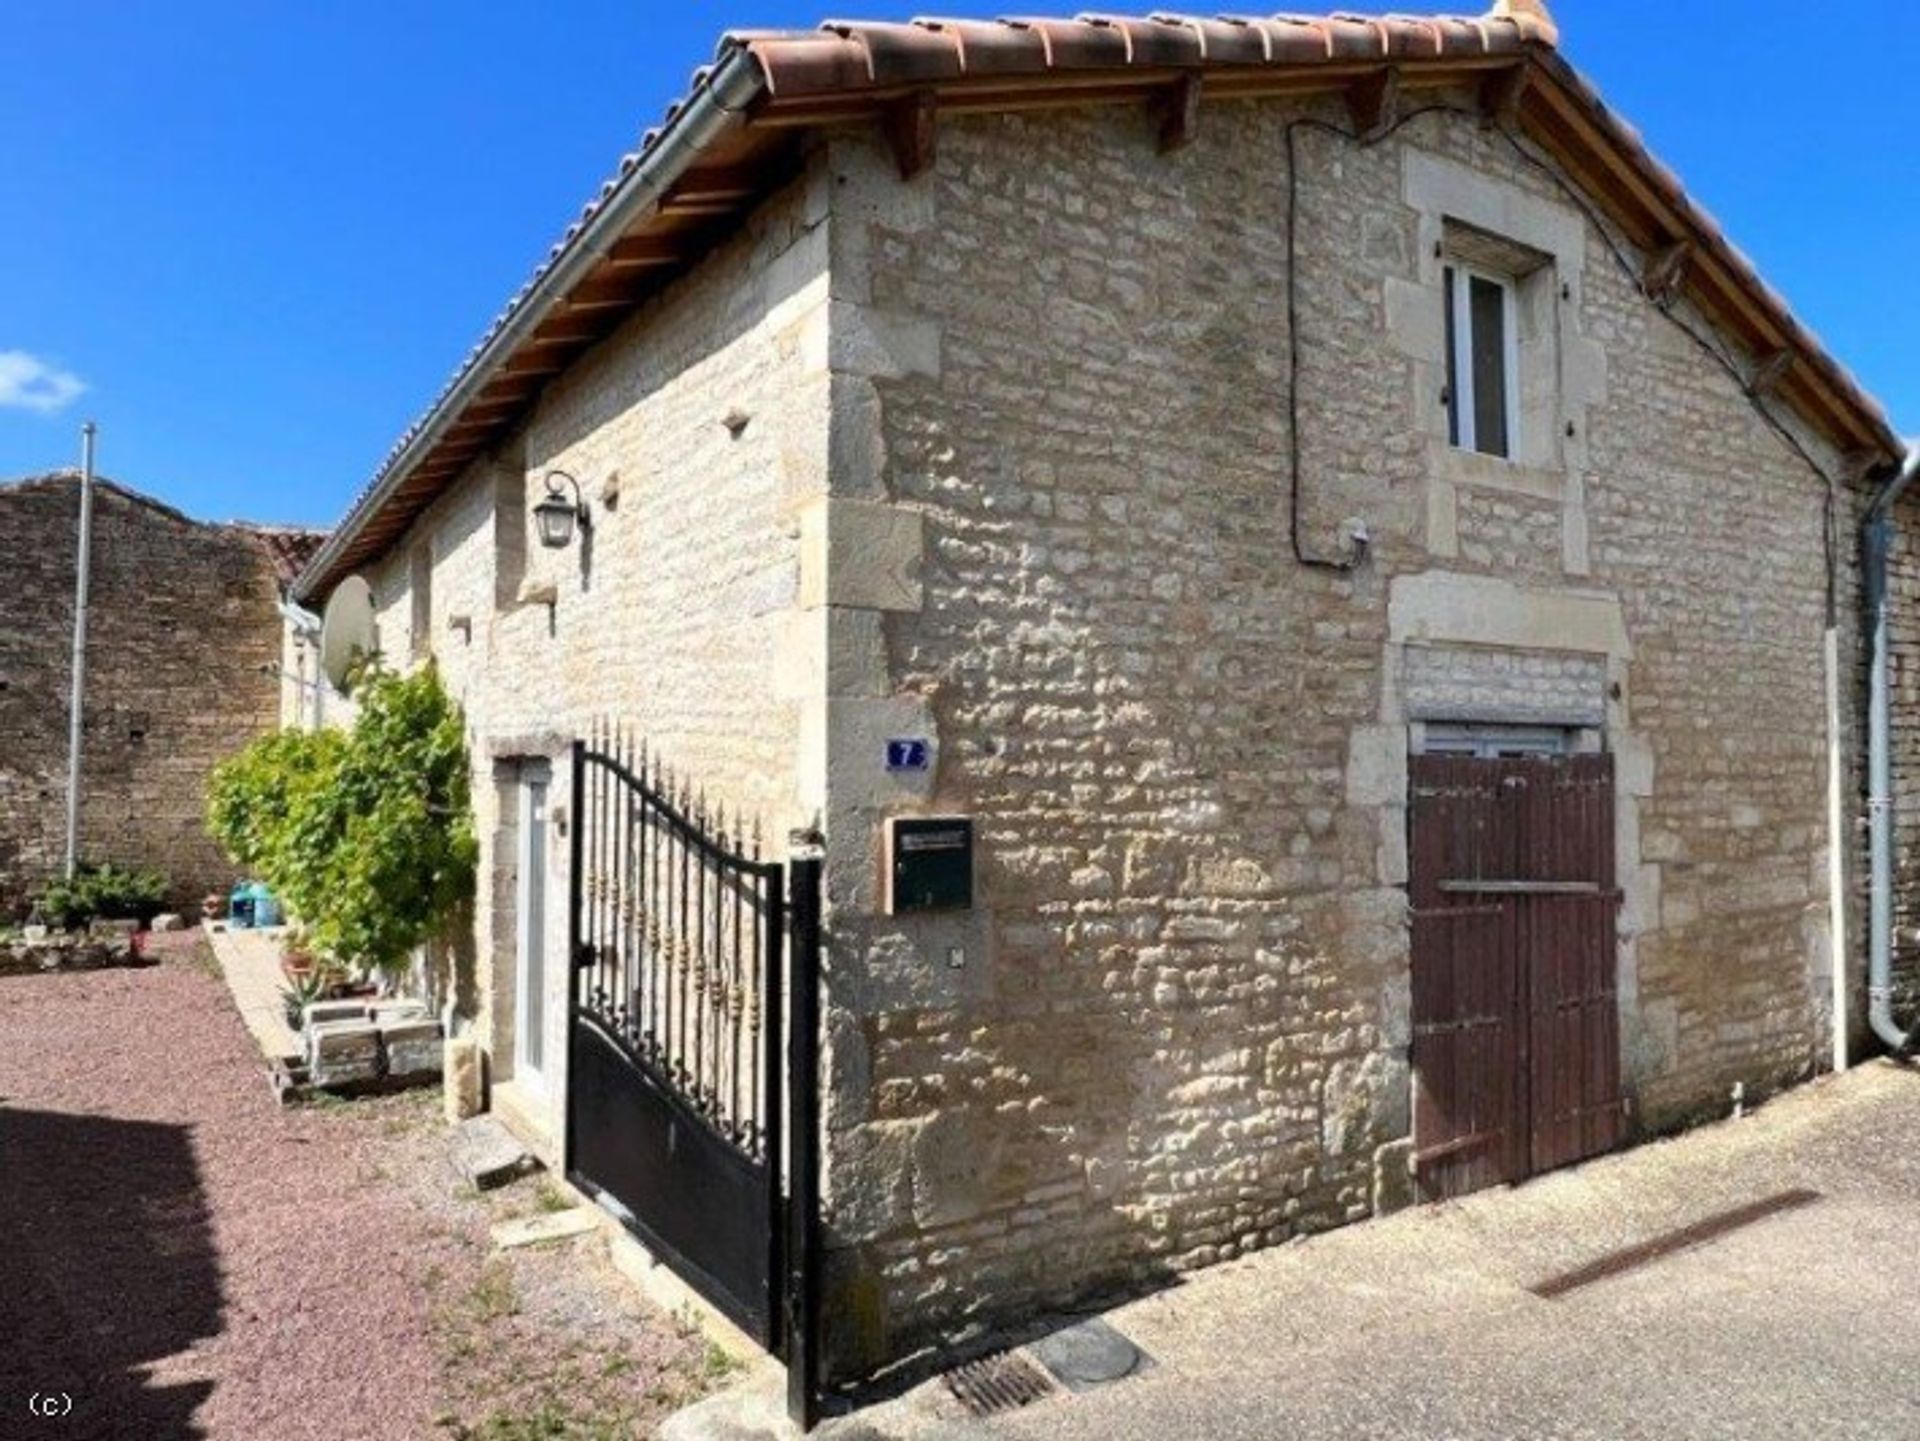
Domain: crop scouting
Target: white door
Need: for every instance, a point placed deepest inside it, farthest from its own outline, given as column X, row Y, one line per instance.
column 530, row 1027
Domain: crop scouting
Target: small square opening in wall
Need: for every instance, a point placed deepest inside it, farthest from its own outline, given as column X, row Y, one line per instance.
column 929, row 864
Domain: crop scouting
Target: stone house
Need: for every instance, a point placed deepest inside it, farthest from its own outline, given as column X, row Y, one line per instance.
column 183, row 635
column 1231, row 464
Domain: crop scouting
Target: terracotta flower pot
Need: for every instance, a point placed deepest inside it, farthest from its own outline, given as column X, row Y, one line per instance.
column 296, row 965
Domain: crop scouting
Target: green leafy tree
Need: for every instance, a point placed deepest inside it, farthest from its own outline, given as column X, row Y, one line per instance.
column 368, row 836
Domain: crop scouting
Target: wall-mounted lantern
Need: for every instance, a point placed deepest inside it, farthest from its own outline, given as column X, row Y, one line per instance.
column 556, row 515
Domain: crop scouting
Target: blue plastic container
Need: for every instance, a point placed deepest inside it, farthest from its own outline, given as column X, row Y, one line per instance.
column 252, row 907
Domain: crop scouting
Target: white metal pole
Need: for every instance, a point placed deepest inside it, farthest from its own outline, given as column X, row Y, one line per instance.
column 1838, row 841
column 76, row 725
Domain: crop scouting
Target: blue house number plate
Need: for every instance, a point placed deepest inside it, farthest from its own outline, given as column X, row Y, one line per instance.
column 908, row 755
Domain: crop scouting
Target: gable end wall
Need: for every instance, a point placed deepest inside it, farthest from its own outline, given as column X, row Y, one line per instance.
column 1176, row 1025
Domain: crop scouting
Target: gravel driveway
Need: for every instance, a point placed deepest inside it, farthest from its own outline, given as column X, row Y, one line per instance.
column 185, row 1258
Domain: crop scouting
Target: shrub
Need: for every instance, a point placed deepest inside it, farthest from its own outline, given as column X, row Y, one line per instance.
column 366, row 835
column 253, row 795
column 103, row 892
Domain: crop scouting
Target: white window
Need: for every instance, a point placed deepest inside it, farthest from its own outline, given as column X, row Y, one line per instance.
column 1493, row 742
column 1483, row 362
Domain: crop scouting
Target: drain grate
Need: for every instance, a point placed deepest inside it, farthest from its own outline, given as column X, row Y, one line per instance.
column 1004, row 1381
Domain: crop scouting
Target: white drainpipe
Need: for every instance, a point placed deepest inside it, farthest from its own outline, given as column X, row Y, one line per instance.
column 306, row 632
column 1838, row 843
column 1877, row 538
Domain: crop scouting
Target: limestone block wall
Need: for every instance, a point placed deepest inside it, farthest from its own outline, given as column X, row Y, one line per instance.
column 676, row 615
column 182, row 634
column 1176, row 1025
column 1905, row 577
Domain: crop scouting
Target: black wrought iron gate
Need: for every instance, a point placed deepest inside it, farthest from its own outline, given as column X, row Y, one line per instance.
column 675, row 1089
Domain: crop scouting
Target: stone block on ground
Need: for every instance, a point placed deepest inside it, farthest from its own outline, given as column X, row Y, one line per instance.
column 63, row 952
column 326, row 1013
column 553, row 1226
column 169, row 921
column 393, row 1013
column 413, row 1048
column 487, row 1153
column 460, row 1070
column 754, row 1409
column 343, row 1052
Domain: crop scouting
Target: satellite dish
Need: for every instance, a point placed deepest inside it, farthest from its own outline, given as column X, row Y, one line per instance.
column 347, row 631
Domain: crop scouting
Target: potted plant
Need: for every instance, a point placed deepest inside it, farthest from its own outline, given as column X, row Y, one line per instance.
column 319, row 982
column 298, row 960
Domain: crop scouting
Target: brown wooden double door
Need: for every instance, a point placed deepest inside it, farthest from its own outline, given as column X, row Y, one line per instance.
column 1516, row 1043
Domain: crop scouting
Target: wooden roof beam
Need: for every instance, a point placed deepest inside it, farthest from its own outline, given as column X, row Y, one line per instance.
column 1374, row 102
column 729, row 183
column 912, row 128
column 610, row 292
column 1859, row 466
column 533, row 363
column 1666, row 271
column 1501, row 94
column 1179, row 111
column 644, row 252
column 1770, row 371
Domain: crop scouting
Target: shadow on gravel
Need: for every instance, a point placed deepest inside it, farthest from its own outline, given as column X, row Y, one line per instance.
column 106, row 1266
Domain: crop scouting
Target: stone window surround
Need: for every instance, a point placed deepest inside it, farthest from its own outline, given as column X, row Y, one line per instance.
column 1563, row 374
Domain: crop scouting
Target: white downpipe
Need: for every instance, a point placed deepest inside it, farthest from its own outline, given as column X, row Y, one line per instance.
column 82, row 584
column 305, row 626
column 1877, row 537
column 1837, row 843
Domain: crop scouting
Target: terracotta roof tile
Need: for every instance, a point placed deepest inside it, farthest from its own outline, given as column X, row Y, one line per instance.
column 290, row 550
column 844, row 60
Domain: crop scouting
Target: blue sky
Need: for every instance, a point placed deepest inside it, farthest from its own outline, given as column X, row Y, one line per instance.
column 258, row 237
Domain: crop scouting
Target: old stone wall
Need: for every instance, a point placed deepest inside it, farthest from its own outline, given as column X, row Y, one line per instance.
column 1904, row 575
column 674, row 616
column 182, row 635
column 1176, row 1025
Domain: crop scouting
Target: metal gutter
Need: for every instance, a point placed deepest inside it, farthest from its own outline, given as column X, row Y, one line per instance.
column 1877, row 540
column 734, row 83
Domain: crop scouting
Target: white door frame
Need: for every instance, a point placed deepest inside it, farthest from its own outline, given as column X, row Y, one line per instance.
column 530, row 1030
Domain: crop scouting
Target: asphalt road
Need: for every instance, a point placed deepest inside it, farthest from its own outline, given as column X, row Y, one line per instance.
column 1803, row 1323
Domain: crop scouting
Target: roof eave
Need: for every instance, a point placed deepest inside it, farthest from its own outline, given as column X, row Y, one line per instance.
column 733, row 84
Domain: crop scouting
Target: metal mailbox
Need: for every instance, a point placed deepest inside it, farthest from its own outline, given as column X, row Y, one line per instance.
column 929, row 864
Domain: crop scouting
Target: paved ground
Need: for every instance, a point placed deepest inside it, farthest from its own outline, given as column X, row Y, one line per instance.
column 1806, row 1324
column 250, row 963
column 184, row 1258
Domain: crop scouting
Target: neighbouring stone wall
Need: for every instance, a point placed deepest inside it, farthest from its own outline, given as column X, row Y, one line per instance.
column 1904, row 576
column 675, row 616
column 1176, row 1025
column 182, row 634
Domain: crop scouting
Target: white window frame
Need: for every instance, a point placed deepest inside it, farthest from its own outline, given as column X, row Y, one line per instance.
column 1495, row 742
column 1461, row 301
